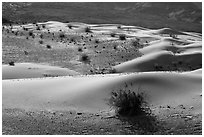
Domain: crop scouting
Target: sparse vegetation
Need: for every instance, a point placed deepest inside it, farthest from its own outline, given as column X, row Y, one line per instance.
column 135, row 42
column 122, row 37
column 69, row 26
column 80, row 49
column 112, row 34
column 11, row 63
column 128, row 103
column 41, row 42
column 87, row 29
column 84, row 58
column 62, row 35
column 48, row 46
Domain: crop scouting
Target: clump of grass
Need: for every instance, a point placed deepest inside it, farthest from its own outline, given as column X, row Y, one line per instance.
column 84, row 58
column 62, row 35
column 87, row 29
column 119, row 26
column 97, row 41
column 135, row 42
column 38, row 28
column 128, row 103
column 80, row 49
column 48, row 46
column 122, row 37
column 41, row 36
column 30, row 33
column 112, row 34
column 11, row 63
column 69, row 26
column 43, row 26
column 41, row 42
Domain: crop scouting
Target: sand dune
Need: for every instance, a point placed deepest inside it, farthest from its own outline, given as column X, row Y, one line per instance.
column 149, row 62
column 90, row 93
column 31, row 70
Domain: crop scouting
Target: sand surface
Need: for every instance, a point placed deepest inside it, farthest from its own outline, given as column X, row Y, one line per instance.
column 168, row 72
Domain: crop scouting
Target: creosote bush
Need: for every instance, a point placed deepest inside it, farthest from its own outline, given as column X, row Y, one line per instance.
column 48, row 46
column 80, row 49
column 11, row 63
column 84, row 58
column 128, row 103
column 122, row 37
column 41, row 42
column 87, row 29
column 112, row 34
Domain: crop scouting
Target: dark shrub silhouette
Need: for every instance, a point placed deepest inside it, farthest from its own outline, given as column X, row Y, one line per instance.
column 122, row 37
column 128, row 103
column 84, row 58
column 11, row 63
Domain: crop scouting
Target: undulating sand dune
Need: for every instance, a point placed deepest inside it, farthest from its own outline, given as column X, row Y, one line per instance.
column 91, row 93
column 31, row 70
column 166, row 59
column 163, row 64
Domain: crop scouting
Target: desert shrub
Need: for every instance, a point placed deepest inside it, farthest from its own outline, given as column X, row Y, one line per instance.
column 43, row 26
column 128, row 103
column 41, row 36
column 69, row 26
column 135, row 42
column 80, row 49
column 62, row 35
column 173, row 35
column 38, row 28
column 30, row 33
column 84, row 58
column 158, row 67
column 115, row 47
column 41, row 42
column 112, row 34
column 119, row 26
column 48, row 46
column 87, row 29
column 122, row 37
column 96, row 40
column 11, row 63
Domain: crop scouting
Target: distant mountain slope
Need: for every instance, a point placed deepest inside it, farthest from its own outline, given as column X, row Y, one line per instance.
column 181, row 16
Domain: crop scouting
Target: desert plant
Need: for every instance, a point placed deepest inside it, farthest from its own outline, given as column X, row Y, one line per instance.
column 112, row 34
column 38, row 28
column 48, row 46
column 119, row 26
column 122, row 37
column 80, row 49
column 41, row 36
column 43, row 26
column 135, row 42
column 84, row 58
column 128, row 103
column 62, row 35
column 30, row 33
column 69, row 26
column 11, row 63
column 96, row 40
column 41, row 42
column 87, row 29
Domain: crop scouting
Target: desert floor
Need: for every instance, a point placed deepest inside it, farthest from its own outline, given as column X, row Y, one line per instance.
column 58, row 78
